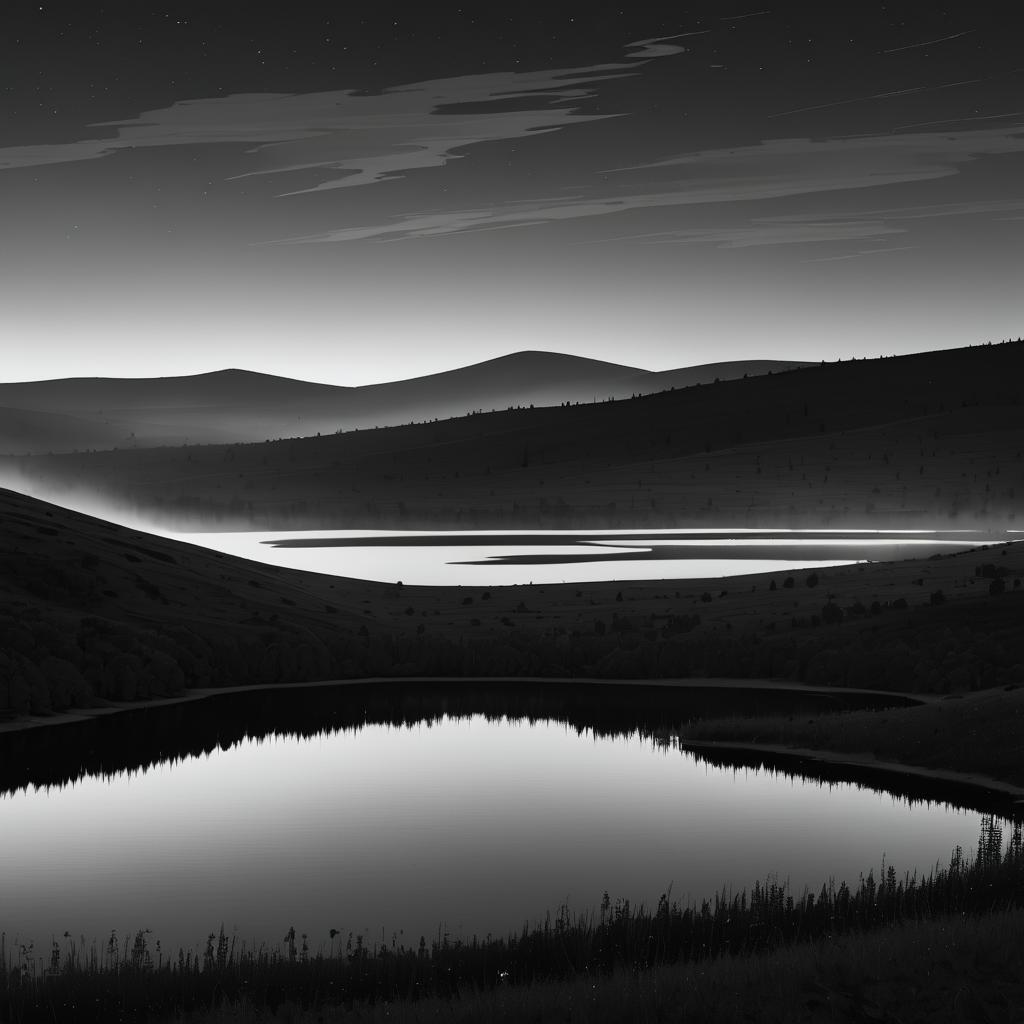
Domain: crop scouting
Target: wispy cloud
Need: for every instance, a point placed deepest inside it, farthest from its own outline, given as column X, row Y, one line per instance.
column 357, row 139
column 929, row 42
column 809, row 228
column 742, row 17
column 859, row 253
column 766, row 231
column 892, row 94
column 964, row 209
column 960, row 120
column 770, row 170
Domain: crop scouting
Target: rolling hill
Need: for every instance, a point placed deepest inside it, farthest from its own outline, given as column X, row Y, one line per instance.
column 92, row 612
column 926, row 440
column 80, row 414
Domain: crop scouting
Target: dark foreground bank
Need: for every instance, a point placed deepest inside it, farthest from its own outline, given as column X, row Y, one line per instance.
column 134, row 979
column 945, row 970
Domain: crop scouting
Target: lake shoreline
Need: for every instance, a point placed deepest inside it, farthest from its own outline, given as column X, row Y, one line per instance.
column 702, row 683
column 858, row 762
column 517, row 558
column 862, row 763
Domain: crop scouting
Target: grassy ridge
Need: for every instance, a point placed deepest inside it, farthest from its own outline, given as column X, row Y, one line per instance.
column 136, row 982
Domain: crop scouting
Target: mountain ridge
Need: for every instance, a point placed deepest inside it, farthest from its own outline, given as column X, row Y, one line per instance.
column 931, row 439
column 236, row 404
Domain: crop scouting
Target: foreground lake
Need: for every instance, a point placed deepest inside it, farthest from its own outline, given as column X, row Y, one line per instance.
column 497, row 558
column 398, row 822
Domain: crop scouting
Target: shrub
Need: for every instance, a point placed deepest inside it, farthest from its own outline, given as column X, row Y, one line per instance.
column 831, row 613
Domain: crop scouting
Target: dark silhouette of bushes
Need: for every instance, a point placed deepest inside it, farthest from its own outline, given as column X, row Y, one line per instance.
column 989, row 571
column 127, row 979
column 831, row 613
column 50, row 662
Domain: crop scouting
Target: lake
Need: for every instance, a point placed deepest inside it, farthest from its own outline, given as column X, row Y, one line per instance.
column 400, row 810
column 496, row 558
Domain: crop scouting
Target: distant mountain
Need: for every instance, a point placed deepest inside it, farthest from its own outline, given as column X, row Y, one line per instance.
column 83, row 413
column 926, row 440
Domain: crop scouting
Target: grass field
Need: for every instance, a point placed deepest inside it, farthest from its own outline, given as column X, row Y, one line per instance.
column 930, row 972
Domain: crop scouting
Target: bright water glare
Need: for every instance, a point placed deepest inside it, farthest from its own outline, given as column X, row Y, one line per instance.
column 496, row 558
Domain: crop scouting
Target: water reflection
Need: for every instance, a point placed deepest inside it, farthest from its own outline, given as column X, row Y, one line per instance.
column 468, row 821
column 150, row 735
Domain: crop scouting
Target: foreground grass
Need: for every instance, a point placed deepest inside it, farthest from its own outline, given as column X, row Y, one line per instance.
column 950, row 969
column 975, row 734
column 130, row 981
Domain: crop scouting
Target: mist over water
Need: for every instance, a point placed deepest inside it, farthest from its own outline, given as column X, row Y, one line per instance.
column 524, row 556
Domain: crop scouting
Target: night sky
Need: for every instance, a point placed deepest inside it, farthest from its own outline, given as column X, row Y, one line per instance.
column 351, row 194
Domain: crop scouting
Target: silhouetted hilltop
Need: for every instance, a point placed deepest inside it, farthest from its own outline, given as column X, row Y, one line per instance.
column 933, row 439
column 707, row 373
column 122, row 394
column 78, row 414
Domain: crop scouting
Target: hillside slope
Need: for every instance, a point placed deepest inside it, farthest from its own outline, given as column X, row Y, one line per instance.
column 928, row 440
column 91, row 612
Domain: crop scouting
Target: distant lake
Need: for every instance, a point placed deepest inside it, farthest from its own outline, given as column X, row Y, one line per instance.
column 494, row 558
column 403, row 811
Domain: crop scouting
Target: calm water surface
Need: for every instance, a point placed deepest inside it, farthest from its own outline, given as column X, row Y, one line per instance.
column 470, row 823
column 496, row 558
